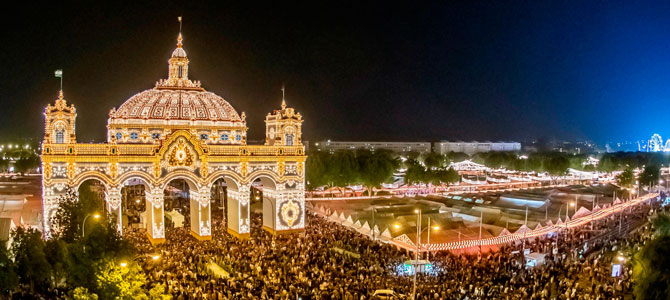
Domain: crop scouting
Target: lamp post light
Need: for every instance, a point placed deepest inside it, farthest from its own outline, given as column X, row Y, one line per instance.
column 83, row 225
column 418, row 241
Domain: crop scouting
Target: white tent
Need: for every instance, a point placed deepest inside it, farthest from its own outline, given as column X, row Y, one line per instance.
column 582, row 211
column 522, row 229
column 403, row 238
column 177, row 218
column 386, row 234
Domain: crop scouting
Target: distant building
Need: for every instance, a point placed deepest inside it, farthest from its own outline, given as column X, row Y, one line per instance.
column 399, row 147
column 471, row 148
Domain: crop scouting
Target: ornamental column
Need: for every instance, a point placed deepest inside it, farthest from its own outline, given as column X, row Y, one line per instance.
column 201, row 224
column 51, row 196
column 154, row 215
column 270, row 217
column 113, row 199
column 289, row 210
column 238, row 211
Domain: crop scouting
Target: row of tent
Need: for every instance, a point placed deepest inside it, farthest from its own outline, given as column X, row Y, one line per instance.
column 404, row 241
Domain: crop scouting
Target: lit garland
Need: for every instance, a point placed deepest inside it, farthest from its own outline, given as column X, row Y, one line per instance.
column 503, row 239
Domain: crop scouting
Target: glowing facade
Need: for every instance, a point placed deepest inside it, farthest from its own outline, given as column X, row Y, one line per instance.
column 178, row 130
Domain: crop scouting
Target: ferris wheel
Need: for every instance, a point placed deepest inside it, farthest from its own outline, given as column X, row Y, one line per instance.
column 656, row 143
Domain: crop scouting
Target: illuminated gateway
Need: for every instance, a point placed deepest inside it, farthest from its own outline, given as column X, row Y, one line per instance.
column 178, row 131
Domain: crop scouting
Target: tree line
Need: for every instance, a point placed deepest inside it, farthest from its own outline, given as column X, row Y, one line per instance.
column 91, row 265
column 345, row 168
column 371, row 169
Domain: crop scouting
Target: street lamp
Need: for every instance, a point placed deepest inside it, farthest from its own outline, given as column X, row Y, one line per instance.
column 83, row 225
column 418, row 241
column 123, row 264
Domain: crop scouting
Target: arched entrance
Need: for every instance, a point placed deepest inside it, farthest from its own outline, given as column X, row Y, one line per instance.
column 92, row 194
column 177, row 205
column 221, row 189
column 264, row 201
column 133, row 203
column 182, row 194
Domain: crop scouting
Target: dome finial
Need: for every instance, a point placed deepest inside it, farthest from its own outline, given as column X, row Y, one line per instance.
column 283, row 99
column 179, row 38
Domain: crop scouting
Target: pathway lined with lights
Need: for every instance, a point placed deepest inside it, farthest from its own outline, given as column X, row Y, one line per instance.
column 517, row 236
column 446, row 193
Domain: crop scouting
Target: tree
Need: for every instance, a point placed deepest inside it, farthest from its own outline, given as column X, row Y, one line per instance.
column 315, row 169
column 118, row 282
column 415, row 172
column 661, row 225
column 32, row 266
column 557, row 165
column 650, row 176
column 26, row 163
column 650, row 270
column 158, row 293
column 495, row 160
column 8, row 276
column 626, row 178
column 457, row 156
column 448, row 176
column 434, row 160
column 71, row 211
column 376, row 168
column 82, row 293
column 101, row 244
column 56, row 254
column 346, row 168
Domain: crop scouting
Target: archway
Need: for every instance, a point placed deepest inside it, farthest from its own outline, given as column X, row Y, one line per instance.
column 263, row 196
column 177, row 203
column 219, row 195
column 133, row 203
column 92, row 195
column 191, row 201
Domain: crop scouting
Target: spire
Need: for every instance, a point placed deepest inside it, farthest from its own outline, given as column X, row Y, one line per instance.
column 178, row 68
column 179, row 38
column 283, row 99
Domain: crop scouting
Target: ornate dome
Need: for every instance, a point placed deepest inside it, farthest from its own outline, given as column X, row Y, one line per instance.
column 177, row 98
column 176, row 104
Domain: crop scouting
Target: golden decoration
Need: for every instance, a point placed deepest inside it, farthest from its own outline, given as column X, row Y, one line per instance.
column 46, row 168
column 300, row 167
column 180, row 155
column 280, row 168
column 243, row 168
column 289, row 212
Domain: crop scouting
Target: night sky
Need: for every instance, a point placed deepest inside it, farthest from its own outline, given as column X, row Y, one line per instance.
column 462, row 70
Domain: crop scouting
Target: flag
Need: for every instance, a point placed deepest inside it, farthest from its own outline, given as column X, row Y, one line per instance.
column 179, row 18
column 59, row 73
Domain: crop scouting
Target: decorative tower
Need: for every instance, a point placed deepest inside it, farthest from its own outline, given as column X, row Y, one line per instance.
column 59, row 122
column 178, row 70
column 283, row 127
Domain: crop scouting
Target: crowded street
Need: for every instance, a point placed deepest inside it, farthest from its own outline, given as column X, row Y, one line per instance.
column 305, row 265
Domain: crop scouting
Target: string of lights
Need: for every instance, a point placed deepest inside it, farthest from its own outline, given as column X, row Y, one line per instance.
column 503, row 239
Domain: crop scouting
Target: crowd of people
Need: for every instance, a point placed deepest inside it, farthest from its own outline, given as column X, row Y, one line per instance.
column 306, row 265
